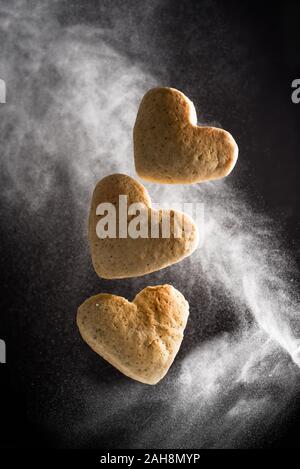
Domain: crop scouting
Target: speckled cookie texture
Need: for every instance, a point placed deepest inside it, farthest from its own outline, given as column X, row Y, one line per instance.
column 127, row 257
column 169, row 146
column 140, row 338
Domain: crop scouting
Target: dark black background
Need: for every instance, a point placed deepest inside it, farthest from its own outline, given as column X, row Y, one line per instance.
column 249, row 54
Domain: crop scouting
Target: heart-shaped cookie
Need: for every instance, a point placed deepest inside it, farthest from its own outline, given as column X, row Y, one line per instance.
column 140, row 339
column 120, row 255
column 169, row 146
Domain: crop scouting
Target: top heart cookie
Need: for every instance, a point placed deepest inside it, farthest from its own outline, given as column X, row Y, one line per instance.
column 169, row 146
column 126, row 246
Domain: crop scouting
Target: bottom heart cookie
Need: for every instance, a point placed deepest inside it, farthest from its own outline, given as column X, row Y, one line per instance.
column 140, row 338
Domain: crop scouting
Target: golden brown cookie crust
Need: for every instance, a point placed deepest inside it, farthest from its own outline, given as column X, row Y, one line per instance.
column 169, row 146
column 140, row 339
column 127, row 257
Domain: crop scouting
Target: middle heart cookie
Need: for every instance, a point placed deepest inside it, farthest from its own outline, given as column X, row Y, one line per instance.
column 124, row 245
